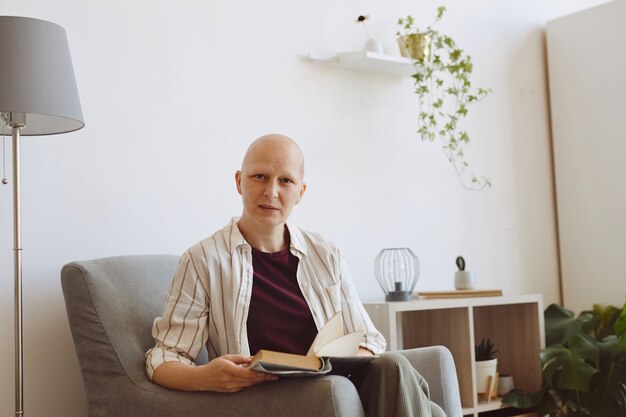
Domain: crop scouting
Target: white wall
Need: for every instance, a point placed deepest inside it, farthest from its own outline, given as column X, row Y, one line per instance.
column 172, row 94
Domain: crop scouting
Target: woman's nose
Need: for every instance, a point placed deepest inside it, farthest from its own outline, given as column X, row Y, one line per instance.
column 271, row 190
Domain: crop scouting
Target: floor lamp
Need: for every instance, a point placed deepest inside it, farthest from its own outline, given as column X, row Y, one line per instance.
column 38, row 96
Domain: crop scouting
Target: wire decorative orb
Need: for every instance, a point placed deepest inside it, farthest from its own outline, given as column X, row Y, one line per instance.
column 397, row 271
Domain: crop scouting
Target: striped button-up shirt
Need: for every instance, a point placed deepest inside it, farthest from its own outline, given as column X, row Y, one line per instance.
column 208, row 300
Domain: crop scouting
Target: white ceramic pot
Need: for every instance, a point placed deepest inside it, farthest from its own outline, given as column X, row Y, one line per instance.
column 464, row 280
column 485, row 369
column 505, row 384
column 372, row 45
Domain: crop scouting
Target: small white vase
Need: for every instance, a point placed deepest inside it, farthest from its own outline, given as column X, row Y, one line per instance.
column 464, row 280
column 505, row 384
column 485, row 369
column 372, row 45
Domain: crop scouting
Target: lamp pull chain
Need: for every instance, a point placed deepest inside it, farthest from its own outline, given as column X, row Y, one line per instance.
column 4, row 159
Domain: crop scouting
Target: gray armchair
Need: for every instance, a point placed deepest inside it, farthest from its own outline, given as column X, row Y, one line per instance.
column 111, row 303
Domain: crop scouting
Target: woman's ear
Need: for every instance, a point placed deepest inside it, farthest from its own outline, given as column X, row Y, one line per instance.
column 302, row 190
column 238, row 181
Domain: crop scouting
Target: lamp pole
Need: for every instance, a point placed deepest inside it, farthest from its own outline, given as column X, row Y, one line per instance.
column 17, row 122
column 17, row 248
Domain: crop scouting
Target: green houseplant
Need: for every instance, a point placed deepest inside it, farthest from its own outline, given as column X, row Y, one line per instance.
column 444, row 90
column 485, row 351
column 486, row 364
column 583, row 365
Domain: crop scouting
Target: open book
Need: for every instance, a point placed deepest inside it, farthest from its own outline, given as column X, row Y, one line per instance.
column 330, row 350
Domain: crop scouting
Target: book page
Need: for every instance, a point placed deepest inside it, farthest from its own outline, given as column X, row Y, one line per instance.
column 342, row 346
column 330, row 331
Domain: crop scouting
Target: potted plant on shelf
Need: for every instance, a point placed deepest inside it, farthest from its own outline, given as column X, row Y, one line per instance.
column 583, row 365
column 463, row 280
column 486, row 364
column 444, row 90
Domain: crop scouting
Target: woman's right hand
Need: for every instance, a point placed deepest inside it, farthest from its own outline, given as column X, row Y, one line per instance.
column 227, row 374
column 223, row 374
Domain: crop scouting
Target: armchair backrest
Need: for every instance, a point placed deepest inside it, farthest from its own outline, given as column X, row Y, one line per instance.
column 111, row 303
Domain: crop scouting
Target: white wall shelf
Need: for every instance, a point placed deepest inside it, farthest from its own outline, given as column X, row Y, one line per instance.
column 368, row 61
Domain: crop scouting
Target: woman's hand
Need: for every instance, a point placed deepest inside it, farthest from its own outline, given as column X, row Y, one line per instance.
column 227, row 374
column 223, row 374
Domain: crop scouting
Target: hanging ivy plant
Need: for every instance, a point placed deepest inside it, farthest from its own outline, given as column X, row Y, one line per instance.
column 444, row 90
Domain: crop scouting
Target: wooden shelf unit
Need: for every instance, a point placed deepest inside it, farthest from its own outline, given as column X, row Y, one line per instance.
column 513, row 322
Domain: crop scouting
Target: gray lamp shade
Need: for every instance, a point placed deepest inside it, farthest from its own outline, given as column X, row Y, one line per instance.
column 37, row 77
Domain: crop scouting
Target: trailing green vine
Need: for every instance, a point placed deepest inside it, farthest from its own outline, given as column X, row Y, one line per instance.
column 444, row 89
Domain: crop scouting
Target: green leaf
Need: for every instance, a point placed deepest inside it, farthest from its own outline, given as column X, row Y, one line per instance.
column 607, row 384
column 621, row 343
column 440, row 11
column 604, row 321
column 570, row 368
column 560, row 324
column 521, row 399
column 543, row 400
column 620, row 324
column 419, row 77
column 609, row 346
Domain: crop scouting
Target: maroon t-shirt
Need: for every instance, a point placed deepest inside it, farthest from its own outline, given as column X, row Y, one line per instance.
column 279, row 317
